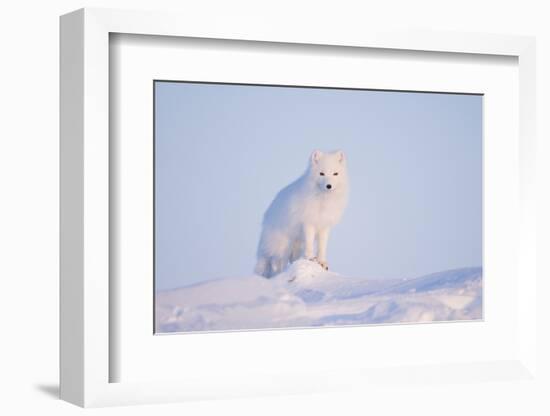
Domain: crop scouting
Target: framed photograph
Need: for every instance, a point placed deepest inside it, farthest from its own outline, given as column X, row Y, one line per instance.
column 310, row 202
column 407, row 190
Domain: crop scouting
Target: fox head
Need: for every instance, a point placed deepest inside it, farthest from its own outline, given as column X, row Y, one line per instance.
column 328, row 170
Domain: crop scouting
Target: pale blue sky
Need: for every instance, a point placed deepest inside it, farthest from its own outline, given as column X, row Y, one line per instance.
column 223, row 152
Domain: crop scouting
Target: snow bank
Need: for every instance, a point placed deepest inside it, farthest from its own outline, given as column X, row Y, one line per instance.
column 305, row 295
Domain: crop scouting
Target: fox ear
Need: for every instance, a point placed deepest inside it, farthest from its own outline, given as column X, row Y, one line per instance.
column 341, row 156
column 316, row 156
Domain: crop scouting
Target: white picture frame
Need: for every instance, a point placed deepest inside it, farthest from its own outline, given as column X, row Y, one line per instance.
column 86, row 304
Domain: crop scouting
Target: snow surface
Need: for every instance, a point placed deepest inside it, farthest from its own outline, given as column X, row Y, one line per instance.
column 307, row 296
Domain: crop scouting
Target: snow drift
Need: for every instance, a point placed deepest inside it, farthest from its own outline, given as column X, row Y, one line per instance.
column 307, row 296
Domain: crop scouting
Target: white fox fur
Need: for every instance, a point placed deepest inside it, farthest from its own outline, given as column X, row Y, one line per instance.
column 300, row 218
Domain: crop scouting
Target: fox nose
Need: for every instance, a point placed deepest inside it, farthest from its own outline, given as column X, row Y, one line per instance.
column 329, row 186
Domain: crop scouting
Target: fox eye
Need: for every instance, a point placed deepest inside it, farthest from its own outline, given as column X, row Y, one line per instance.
column 322, row 173
column 335, row 174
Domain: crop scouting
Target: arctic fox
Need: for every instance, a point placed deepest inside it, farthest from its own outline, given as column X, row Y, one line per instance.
column 302, row 214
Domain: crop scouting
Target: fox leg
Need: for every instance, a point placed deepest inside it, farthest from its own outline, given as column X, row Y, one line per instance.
column 296, row 250
column 277, row 265
column 262, row 267
column 322, row 241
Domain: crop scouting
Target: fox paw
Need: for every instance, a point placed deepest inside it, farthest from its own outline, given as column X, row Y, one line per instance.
column 323, row 264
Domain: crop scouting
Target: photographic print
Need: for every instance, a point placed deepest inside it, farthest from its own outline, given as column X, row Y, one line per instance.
column 298, row 207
